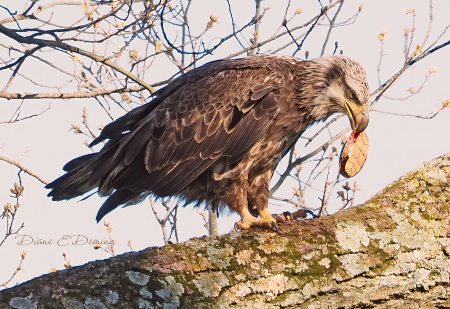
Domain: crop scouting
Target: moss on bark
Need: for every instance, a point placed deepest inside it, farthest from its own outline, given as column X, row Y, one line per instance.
column 391, row 251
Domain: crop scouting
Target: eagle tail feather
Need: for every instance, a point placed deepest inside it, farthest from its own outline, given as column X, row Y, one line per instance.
column 77, row 162
column 76, row 181
column 70, row 185
column 119, row 197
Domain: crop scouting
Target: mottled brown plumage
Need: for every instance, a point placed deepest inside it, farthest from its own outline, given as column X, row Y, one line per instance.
column 216, row 134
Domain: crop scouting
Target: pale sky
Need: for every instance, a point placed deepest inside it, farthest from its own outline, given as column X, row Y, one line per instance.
column 398, row 144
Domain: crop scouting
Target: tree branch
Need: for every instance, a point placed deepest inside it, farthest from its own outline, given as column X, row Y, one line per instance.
column 374, row 255
column 72, row 95
column 58, row 44
column 331, row 28
column 22, row 168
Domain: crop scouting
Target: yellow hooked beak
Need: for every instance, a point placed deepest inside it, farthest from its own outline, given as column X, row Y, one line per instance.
column 358, row 115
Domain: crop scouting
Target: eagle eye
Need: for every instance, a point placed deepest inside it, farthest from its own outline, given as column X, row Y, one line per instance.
column 351, row 94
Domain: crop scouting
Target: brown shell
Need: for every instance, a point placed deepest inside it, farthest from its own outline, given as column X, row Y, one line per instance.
column 354, row 154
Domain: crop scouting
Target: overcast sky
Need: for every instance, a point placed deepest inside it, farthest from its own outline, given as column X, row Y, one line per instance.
column 398, row 144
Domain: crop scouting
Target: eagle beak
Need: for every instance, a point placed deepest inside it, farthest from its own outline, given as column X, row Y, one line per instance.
column 358, row 114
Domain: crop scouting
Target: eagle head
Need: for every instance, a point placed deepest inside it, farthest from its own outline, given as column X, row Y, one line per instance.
column 343, row 88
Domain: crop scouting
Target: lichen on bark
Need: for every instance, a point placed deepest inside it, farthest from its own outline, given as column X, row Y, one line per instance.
column 391, row 251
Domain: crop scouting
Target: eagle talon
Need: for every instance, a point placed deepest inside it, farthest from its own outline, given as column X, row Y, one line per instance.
column 238, row 226
column 288, row 215
column 274, row 226
column 279, row 218
column 284, row 217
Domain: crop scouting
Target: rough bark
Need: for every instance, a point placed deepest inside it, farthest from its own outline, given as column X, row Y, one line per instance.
column 393, row 251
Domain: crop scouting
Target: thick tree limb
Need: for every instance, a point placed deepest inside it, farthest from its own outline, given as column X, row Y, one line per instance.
column 393, row 251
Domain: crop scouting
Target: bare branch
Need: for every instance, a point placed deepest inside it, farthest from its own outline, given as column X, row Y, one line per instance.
column 17, row 113
column 72, row 95
column 281, row 34
column 391, row 80
column 40, row 9
column 24, row 253
column 22, row 168
column 430, row 25
column 64, row 46
column 291, row 201
column 256, row 34
column 331, row 28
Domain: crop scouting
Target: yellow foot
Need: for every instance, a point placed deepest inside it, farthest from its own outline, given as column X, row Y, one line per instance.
column 266, row 215
column 250, row 221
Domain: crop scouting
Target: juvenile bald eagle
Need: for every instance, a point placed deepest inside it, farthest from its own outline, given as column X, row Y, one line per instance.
column 217, row 133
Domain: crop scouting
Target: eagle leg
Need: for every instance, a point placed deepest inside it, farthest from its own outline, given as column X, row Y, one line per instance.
column 236, row 198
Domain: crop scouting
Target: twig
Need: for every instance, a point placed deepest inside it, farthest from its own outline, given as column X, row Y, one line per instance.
column 429, row 116
column 413, row 92
column 24, row 253
column 85, row 122
column 326, row 126
column 281, row 34
column 294, row 202
column 391, row 80
column 12, row 15
column 324, row 199
column 163, row 221
column 109, row 228
column 331, row 28
column 22, row 168
column 72, row 95
column 256, row 35
column 233, row 24
column 24, row 118
column 322, row 12
column 430, row 24
column 58, row 44
column 206, row 51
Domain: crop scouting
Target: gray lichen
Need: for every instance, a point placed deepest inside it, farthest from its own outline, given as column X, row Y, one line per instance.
column 112, row 297
column 171, row 292
column 210, row 284
column 23, row 302
column 145, row 304
column 220, row 256
column 351, row 263
column 94, row 303
column 351, row 235
column 274, row 246
column 146, row 294
column 325, row 262
column 137, row 278
column 243, row 257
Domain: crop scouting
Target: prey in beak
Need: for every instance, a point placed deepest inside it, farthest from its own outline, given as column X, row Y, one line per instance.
column 358, row 115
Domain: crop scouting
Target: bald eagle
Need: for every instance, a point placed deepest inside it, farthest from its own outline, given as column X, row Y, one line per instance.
column 216, row 134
